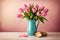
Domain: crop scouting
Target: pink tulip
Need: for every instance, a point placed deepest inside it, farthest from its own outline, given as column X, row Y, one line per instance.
column 21, row 10
column 25, row 35
column 45, row 14
column 39, row 13
column 19, row 15
column 42, row 7
column 25, row 5
column 27, row 9
column 46, row 10
column 34, row 10
column 36, row 5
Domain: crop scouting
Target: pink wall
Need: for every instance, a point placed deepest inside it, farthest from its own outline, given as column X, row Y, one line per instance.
column 0, row 15
column 10, row 22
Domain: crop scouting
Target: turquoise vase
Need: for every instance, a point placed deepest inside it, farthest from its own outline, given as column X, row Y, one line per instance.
column 32, row 28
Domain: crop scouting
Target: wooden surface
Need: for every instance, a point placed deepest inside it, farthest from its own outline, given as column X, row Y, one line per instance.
column 15, row 36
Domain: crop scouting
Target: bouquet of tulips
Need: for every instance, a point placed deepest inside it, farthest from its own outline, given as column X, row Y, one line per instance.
column 33, row 12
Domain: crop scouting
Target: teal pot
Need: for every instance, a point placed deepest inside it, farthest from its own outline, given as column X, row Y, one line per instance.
column 32, row 28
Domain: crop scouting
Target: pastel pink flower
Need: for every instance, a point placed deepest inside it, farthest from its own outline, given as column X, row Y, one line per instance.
column 27, row 9
column 42, row 7
column 19, row 15
column 21, row 10
column 34, row 9
column 25, row 5
column 39, row 13
column 36, row 5
column 45, row 14
column 23, row 35
column 46, row 10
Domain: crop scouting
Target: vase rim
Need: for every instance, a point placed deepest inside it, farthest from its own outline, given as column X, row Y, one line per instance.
column 32, row 20
column 29, row 19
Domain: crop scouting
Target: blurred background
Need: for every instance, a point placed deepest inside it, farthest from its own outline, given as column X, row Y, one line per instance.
column 10, row 23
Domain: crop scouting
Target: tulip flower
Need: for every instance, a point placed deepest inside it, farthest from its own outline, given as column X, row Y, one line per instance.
column 36, row 5
column 45, row 14
column 42, row 7
column 42, row 13
column 21, row 10
column 23, row 35
column 25, row 5
column 34, row 9
column 39, row 13
column 19, row 15
column 27, row 9
column 46, row 10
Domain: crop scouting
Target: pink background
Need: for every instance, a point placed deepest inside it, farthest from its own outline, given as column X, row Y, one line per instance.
column 9, row 10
